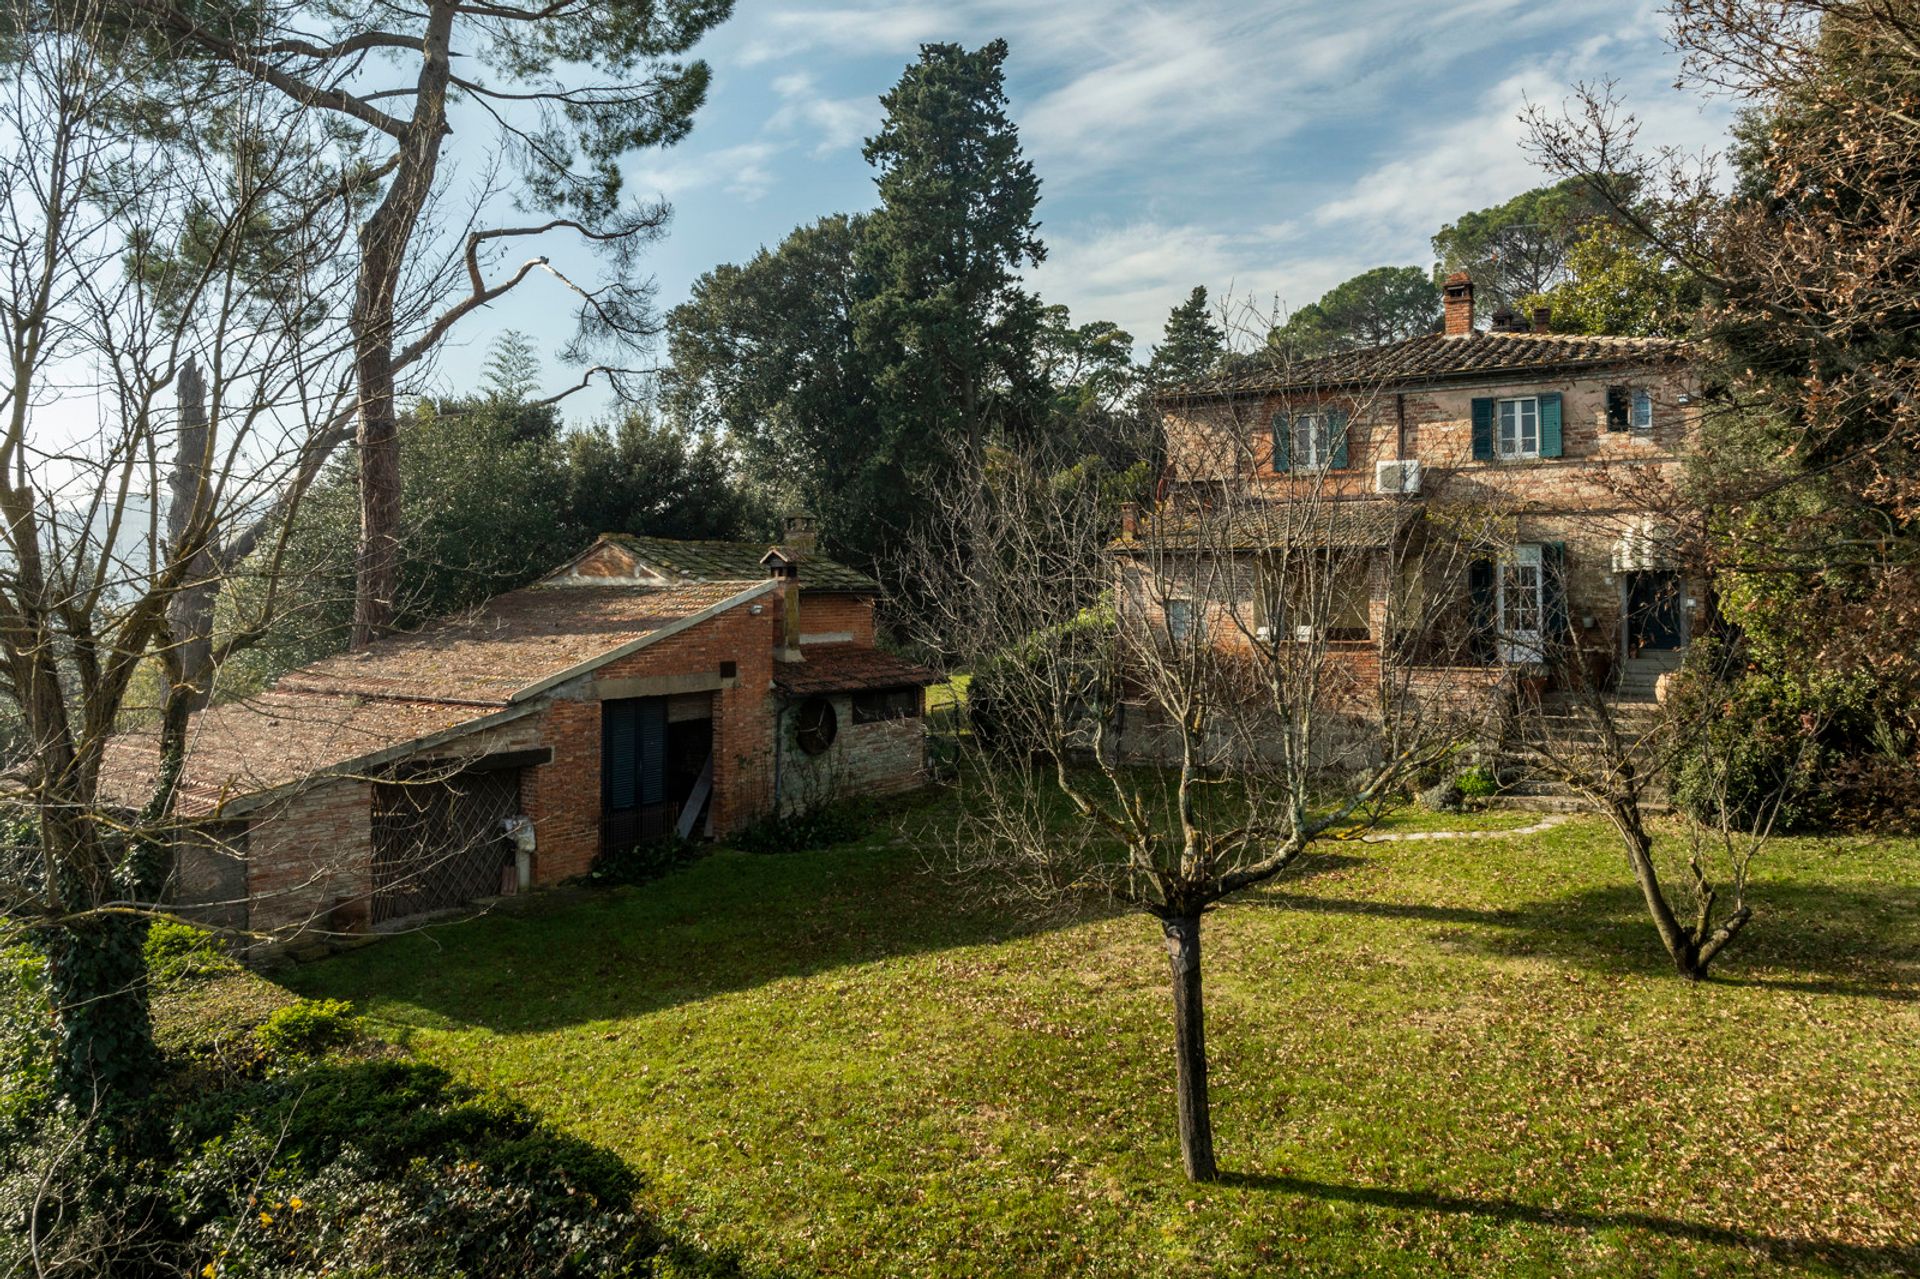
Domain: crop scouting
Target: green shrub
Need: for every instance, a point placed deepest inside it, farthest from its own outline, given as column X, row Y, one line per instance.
column 26, row 1039
column 1477, row 782
column 309, row 1028
column 640, row 863
column 181, row 952
column 816, row 826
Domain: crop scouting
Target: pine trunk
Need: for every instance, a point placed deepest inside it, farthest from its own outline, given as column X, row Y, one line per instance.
column 1190, row 1047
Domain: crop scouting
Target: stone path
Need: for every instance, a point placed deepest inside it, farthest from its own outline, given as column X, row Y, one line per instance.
column 1545, row 823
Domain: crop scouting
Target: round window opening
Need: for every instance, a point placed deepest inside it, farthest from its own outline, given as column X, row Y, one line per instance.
column 815, row 725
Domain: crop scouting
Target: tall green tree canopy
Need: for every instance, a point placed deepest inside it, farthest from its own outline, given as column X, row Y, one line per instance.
column 949, row 331
column 1520, row 247
column 1193, row 345
column 1373, row 308
column 765, row 352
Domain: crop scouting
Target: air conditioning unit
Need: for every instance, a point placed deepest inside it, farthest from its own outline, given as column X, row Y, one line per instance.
column 1305, row 634
column 1401, row 477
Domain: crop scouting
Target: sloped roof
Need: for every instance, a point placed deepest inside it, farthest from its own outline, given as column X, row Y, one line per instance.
column 847, row 668
column 712, row 561
column 456, row 676
column 1344, row 524
column 1437, row 357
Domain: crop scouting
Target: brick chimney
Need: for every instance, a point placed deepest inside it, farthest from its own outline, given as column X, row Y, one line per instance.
column 1129, row 518
column 1458, row 293
column 786, row 571
column 799, row 533
column 1543, row 319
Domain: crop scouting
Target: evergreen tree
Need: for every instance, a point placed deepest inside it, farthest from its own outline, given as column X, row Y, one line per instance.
column 949, row 329
column 1386, row 304
column 512, row 370
column 1193, row 345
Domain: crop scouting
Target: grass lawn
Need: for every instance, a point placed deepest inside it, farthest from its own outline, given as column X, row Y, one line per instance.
column 1449, row 1056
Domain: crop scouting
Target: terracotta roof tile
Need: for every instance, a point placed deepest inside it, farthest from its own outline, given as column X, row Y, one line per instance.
column 1437, row 357
column 846, row 668
column 403, row 688
column 711, row 561
column 512, row 642
column 1345, row 524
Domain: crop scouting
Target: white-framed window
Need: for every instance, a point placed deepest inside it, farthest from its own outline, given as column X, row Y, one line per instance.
column 1522, row 603
column 1519, row 427
column 1312, row 444
column 1642, row 409
column 1180, row 620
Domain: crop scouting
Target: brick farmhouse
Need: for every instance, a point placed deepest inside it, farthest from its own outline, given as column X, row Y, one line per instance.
column 1572, row 441
column 645, row 689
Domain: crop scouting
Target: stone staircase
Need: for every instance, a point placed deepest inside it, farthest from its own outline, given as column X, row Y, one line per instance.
column 1639, row 676
column 1560, row 730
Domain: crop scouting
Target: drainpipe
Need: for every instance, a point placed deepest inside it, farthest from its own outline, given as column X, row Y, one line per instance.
column 1400, row 425
column 779, row 751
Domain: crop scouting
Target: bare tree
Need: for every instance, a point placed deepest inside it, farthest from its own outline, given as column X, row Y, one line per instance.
column 562, row 91
column 129, row 263
column 1174, row 706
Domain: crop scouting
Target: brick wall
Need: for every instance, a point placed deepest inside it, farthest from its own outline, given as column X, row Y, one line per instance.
column 563, row 797
column 310, row 860
column 881, row 758
column 837, row 613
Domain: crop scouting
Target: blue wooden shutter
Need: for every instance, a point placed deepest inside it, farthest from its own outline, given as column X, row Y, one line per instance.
column 1282, row 442
column 1553, row 590
column 1337, row 436
column 1550, row 424
column 652, row 741
column 1483, row 430
column 618, row 755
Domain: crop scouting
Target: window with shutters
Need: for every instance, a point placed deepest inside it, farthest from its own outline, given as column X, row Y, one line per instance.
column 1519, row 422
column 1312, row 441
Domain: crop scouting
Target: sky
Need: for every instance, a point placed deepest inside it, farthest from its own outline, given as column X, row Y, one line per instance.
column 1267, row 149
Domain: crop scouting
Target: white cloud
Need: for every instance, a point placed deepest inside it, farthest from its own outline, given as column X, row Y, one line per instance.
column 743, row 170
column 835, row 123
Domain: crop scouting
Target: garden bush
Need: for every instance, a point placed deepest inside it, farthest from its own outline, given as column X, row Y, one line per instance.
column 1477, row 782
column 308, row 1028
column 815, row 826
column 643, row 862
column 180, row 952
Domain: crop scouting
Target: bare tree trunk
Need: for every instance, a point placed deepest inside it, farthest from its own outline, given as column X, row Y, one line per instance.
column 1190, row 1047
column 190, row 611
column 383, row 250
column 1674, row 936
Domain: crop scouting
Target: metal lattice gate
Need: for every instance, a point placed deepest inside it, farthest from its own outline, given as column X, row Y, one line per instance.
column 438, row 844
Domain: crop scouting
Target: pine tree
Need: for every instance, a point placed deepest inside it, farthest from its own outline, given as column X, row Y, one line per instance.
column 1193, row 346
column 948, row 327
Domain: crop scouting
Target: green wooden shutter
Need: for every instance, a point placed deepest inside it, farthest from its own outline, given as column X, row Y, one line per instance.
column 1480, row 609
column 1337, row 436
column 1553, row 591
column 618, row 754
column 1483, row 430
column 1282, row 442
column 651, row 737
column 1550, row 424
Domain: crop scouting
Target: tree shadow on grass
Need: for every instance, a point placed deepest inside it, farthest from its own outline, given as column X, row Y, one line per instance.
column 1822, row 940
column 729, row 922
column 1785, row 1249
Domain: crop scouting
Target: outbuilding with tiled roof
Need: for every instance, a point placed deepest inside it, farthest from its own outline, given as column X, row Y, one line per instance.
column 644, row 690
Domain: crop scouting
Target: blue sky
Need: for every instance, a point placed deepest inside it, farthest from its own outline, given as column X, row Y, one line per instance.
column 1269, row 149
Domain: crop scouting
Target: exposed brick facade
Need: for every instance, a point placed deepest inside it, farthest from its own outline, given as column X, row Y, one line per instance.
column 308, row 860
column 1586, row 503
